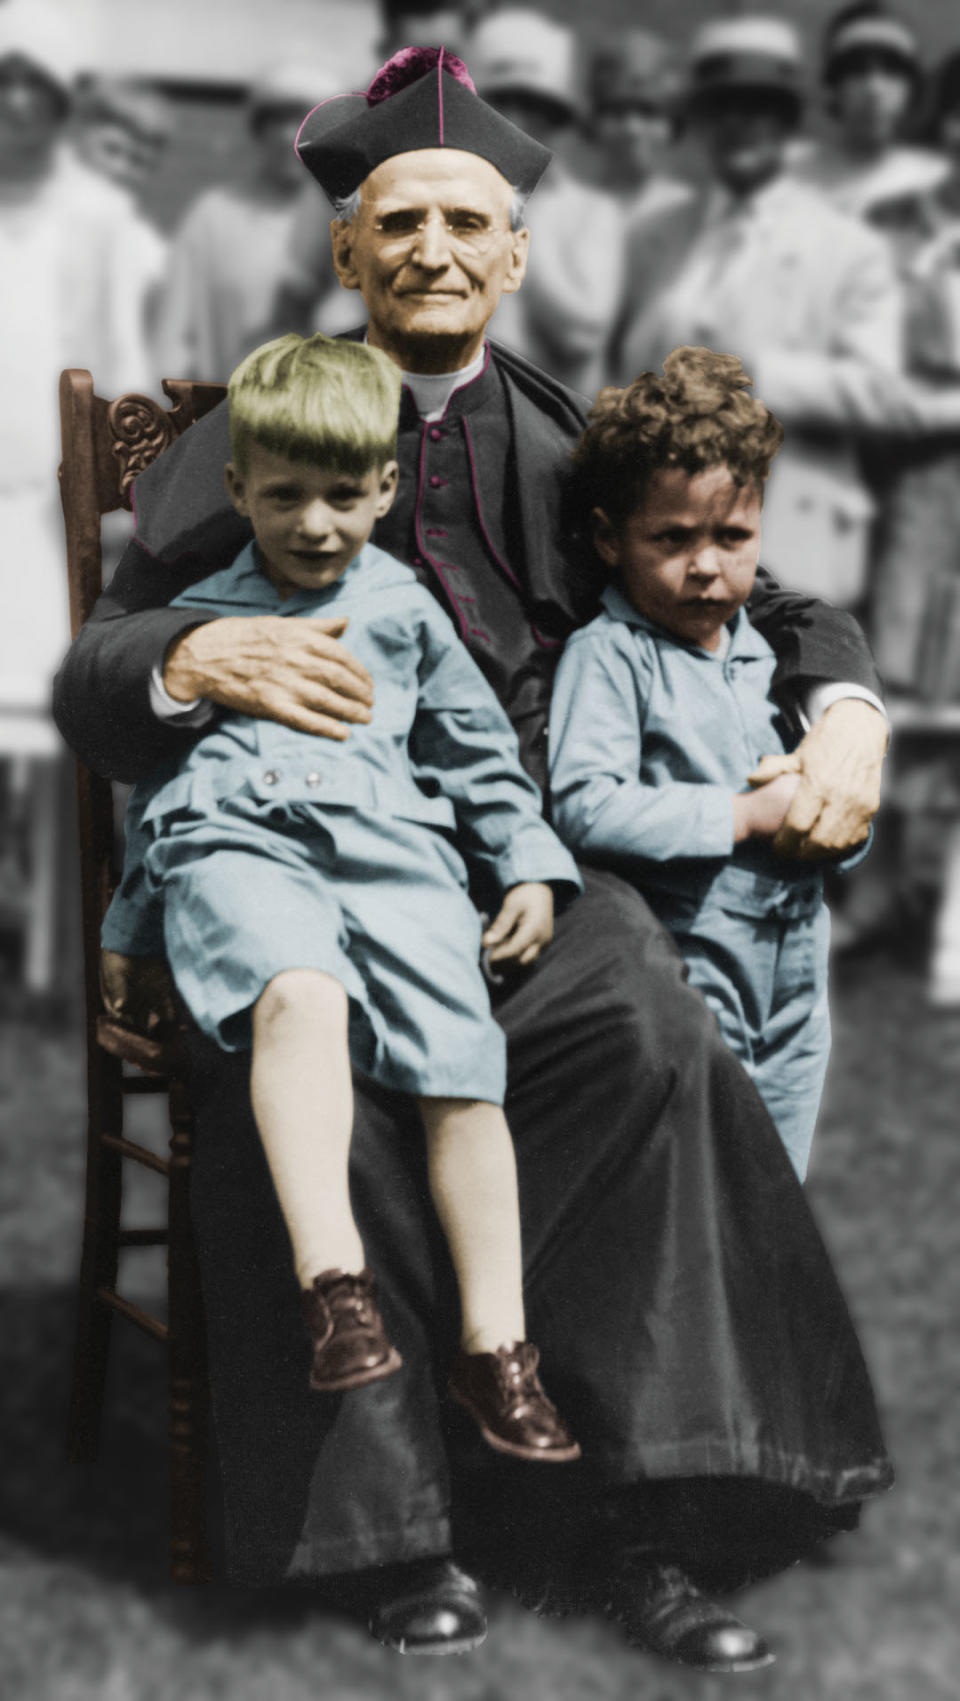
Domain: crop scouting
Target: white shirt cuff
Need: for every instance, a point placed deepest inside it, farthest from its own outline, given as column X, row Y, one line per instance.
column 820, row 698
column 167, row 708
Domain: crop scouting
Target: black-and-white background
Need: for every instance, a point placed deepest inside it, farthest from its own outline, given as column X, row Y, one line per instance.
column 153, row 239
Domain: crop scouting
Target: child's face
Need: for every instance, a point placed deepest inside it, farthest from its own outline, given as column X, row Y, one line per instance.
column 309, row 521
column 688, row 556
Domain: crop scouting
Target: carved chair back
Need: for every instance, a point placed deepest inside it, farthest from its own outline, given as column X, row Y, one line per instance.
column 106, row 445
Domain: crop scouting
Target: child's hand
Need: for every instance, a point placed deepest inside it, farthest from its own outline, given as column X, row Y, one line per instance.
column 524, row 925
column 760, row 814
column 138, row 992
column 839, row 761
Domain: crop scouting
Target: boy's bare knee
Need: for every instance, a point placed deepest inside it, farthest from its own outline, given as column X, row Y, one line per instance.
column 446, row 1119
column 300, row 992
column 436, row 1110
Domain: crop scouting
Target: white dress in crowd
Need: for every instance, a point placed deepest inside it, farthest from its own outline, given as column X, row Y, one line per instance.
column 67, row 257
column 146, row 251
column 70, row 272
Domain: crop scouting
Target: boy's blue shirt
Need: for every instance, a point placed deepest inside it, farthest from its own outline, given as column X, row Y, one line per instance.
column 649, row 738
column 439, row 749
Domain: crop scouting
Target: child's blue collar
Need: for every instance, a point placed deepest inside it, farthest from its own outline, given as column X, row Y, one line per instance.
column 744, row 637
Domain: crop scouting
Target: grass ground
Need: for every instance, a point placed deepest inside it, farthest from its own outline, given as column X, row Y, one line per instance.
column 85, row 1613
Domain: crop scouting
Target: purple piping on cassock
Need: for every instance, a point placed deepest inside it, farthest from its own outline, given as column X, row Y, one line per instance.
column 431, row 560
column 421, row 546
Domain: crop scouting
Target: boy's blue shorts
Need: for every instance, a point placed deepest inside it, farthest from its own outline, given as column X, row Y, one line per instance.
column 376, row 901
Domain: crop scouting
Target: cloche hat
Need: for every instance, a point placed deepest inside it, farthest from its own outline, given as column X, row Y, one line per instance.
column 747, row 53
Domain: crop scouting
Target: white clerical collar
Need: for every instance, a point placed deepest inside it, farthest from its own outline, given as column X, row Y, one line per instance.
column 432, row 390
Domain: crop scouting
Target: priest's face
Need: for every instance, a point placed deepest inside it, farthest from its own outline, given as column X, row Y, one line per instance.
column 431, row 252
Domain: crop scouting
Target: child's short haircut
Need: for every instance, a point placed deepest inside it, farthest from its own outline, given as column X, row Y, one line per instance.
column 316, row 399
column 697, row 415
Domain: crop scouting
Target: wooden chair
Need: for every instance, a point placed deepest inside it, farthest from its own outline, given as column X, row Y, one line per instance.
column 105, row 445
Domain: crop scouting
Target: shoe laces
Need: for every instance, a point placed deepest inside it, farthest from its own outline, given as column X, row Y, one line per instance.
column 661, row 1583
column 516, row 1370
column 673, row 1583
column 352, row 1297
column 659, row 1589
column 338, row 1299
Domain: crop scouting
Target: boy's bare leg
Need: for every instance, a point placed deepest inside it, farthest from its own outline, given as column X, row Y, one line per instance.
column 302, row 1098
column 473, row 1182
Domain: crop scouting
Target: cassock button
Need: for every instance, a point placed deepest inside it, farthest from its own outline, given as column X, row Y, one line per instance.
column 436, row 481
column 435, row 434
column 271, row 777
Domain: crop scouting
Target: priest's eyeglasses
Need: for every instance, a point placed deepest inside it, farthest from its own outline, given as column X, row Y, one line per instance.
column 467, row 230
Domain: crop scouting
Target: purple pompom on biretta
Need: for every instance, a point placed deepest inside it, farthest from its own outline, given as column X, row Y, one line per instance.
column 409, row 65
column 423, row 97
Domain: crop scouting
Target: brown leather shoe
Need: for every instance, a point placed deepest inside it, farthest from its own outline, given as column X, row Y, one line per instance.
column 350, row 1345
column 503, row 1393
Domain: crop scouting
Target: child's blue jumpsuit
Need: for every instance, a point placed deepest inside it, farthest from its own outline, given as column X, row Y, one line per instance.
column 275, row 849
column 649, row 739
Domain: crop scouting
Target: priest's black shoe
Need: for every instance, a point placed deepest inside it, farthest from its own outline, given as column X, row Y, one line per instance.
column 663, row 1611
column 427, row 1606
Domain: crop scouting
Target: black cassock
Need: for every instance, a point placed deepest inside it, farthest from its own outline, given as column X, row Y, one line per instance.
column 689, row 1320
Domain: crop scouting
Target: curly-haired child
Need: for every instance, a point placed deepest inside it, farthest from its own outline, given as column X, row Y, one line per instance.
column 662, row 710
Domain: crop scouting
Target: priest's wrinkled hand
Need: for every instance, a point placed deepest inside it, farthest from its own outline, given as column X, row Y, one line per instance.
column 840, row 762
column 293, row 671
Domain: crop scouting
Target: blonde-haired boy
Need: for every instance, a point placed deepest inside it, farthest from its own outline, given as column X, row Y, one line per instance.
column 311, row 896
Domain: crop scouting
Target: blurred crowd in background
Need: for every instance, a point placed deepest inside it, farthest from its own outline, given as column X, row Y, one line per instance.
column 751, row 189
